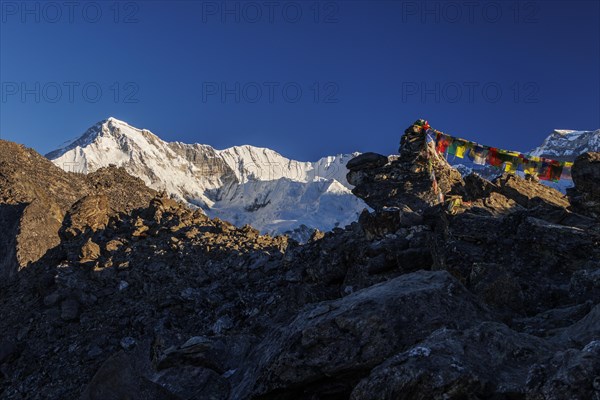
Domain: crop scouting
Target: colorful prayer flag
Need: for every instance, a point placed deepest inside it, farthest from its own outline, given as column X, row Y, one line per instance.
column 443, row 143
column 544, row 172
column 510, row 161
column 510, row 167
column 493, row 157
column 461, row 149
column 530, row 167
column 479, row 155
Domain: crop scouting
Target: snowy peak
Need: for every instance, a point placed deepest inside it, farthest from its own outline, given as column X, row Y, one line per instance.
column 566, row 145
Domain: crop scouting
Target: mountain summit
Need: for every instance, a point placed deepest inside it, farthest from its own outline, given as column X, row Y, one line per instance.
column 243, row 184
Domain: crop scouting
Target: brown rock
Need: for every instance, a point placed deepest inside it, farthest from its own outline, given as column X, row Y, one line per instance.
column 528, row 193
column 91, row 213
column 89, row 252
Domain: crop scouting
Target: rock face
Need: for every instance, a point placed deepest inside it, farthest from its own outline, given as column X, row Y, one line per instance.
column 586, row 176
column 492, row 292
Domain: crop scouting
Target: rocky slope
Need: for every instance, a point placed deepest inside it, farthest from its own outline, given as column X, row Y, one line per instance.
column 243, row 184
column 35, row 195
column 492, row 293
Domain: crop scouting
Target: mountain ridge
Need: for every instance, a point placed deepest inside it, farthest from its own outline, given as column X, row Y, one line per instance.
column 566, row 144
column 210, row 178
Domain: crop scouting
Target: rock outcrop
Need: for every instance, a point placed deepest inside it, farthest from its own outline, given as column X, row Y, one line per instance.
column 472, row 290
column 585, row 197
column 35, row 196
column 403, row 181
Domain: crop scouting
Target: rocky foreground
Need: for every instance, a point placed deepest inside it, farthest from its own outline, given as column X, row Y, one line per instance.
column 113, row 291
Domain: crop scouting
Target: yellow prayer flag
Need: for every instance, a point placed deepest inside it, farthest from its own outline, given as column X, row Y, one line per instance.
column 530, row 168
column 510, row 167
column 460, row 150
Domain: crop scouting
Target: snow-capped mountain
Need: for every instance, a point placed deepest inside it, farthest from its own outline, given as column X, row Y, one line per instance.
column 566, row 145
column 242, row 184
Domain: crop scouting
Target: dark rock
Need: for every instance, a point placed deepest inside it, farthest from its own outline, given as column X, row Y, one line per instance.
column 569, row 374
column 585, row 197
column 406, row 180
column 69, row 309
column 128, row 343
column 366, row 161
column 586, row 174
column 8, row 349
column 332, row 350
column 583, row 331
column 121, row 377
column 487, row 361
column 190, row 382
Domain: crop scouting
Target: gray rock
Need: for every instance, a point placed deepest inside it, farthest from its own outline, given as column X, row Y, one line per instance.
column 487, row 361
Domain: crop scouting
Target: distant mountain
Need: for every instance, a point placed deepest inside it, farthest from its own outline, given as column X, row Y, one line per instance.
column 566, row 145
column 242, row 184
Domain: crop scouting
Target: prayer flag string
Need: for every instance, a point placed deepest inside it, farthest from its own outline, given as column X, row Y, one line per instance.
column 508, row 161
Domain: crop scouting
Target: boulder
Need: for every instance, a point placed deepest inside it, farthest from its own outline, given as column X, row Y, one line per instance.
column 487, row 361
column 366, row 161
column 122, row 377
column 570, row 374
column 586, row 174
column 89, row 214
column 585, row 197
column 329, row 347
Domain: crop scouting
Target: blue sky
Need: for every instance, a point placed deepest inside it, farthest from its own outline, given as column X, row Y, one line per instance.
column 305, row 78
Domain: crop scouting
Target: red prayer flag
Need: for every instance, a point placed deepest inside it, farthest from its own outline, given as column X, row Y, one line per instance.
column 493, row 158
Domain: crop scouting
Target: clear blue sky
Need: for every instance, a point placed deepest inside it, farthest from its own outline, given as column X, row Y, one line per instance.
column 305, row 78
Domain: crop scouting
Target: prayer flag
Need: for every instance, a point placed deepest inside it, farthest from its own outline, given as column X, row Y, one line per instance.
column 443, row 143
column 544, row 172
column 460, row 149
column 493, row 158
column 555, row 171
column 510, row 167
column 479, row 154
column 566, row 172
column 453, row 147
column 530, row 167
column 510, row 161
